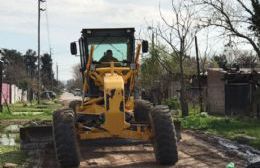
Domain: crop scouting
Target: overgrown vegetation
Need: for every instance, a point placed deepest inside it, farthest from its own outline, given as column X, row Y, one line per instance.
column 21, row 112
column 21, row 69
column 234, row 128
column 231, row 128
column 30, row 111
column 173, row 103
column 11, row 154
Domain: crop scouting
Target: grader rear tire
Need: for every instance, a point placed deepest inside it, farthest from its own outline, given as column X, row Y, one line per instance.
column 142, row 110
column 65, row 140
column 164, row 136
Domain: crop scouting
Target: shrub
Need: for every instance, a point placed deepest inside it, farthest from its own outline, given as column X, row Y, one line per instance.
column 173, row 103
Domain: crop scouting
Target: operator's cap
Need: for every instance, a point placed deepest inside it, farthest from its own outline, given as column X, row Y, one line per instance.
column 109, row 52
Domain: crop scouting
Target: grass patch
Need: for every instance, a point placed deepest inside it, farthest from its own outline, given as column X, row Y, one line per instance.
column 226, row 127
column 11, row 154
column 20, row 111
column 1, row 128
column 30, row 111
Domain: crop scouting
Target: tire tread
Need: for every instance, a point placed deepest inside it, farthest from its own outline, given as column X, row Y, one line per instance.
column 164, row 140
column 65, row 140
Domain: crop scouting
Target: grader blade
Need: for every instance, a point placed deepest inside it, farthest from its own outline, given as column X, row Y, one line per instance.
column 35, row 137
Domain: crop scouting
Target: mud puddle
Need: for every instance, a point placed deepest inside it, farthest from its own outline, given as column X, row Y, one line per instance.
column 248, row 153
column 9, row 135
column 27, row 113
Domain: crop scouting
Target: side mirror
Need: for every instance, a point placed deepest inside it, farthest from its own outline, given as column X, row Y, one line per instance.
column 73, row 48
column 145, row 46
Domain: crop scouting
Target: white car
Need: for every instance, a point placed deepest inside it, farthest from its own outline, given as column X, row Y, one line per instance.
column 77, row 92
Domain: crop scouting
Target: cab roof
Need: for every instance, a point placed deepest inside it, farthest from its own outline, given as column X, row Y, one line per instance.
column 101, row 32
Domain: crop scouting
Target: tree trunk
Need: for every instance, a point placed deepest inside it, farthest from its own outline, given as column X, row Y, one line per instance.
column 183, row 101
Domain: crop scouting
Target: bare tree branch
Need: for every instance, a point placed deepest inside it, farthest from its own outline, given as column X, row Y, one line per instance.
column 178, row 36
column 245, row 7
column 222, row 17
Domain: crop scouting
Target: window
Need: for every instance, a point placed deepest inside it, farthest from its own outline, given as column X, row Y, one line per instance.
column 118, row 45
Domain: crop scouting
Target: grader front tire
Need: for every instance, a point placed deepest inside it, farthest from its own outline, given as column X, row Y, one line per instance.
column 142, row 110
column 164, row 136
column 65, row 140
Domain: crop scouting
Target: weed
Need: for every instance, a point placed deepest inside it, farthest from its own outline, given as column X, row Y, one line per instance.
column 11, row 154
column 226, row 127
column 30, row 111
column 173, row 103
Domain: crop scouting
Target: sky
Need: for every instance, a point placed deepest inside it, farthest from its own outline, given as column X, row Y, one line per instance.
column 66, row 18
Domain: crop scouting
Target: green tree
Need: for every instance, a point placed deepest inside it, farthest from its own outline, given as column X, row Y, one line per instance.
column 151, row 69
column 178, row 33
column 14, row 68
column 221, row 60
column 255, row 19
column 47, row 74
column 30, row 63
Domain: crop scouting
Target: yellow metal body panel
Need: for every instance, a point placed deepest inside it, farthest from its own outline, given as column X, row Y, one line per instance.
column 114, row 104
column 129, row 105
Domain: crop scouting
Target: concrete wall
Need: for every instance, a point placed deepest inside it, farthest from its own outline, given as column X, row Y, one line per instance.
column 216, row 92
column 24, row 96
column 17, row 94
column 12, row 94
column 6, row 93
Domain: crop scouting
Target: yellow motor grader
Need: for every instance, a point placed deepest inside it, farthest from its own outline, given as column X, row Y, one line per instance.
column 110, row 106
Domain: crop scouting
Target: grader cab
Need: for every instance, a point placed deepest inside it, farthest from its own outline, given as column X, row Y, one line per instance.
column 110, row 106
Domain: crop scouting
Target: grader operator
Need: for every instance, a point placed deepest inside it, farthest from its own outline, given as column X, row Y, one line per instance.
column 109, row 108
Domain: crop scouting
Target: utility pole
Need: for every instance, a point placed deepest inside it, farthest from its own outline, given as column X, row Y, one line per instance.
column 153, row 40
column 1, row 84
column 152, row 29
column 52, row 75
column 198, row 73
column 39, row 47
column 57, row 72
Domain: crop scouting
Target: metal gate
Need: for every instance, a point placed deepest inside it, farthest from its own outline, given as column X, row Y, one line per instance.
column 237, row 98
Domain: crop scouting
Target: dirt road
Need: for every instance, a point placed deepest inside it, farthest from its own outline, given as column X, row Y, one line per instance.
column 67, row 97
column 193, row 152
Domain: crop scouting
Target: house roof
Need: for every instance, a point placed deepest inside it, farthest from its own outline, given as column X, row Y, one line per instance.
column 241, row 70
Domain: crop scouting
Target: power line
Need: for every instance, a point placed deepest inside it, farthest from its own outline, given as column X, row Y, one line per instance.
column 48, row 26
column 48, row 37
column 57, row 72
